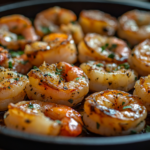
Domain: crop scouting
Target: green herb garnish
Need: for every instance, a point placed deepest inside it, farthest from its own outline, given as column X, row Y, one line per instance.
column 16, row 79
column 45, row 30
column 133, row 132
column 9, row 87
column 112, row 55
column 77, row 78
column 125, row 65
column 10, row 64
column 99, row 65
column 125, row 107
column 136, row 78
column 30, row 106
column 104, row 47
column 147, row 129
column 58, row 121
column 123, row 103
column 113, row 46
column 73, row 22
column 35, row 67
column 15, row 54
column 20, row 37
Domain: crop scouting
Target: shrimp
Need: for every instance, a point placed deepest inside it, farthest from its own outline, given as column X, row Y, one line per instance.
column 43, row 118
column 134, row 26
column 142, row 90
column 74, row 29
column 50, row 19
column 104, row 76
column 95, row 21
column 12, row 87
column 16, row 31
column 139, row 59
column 58, row 83
column 97, row 47
column 114, row 112
column 56, row 47
column 18, row 62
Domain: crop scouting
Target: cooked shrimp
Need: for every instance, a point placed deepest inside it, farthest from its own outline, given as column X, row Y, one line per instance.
column 16, row 63
column 134, row 26
column 139, row 59
column 95, row 21
column 97, row 47
column 59, row 83
column 104, row 76
column 74, row 29
column 142, row 90
column 113, row 112
column 56, row 47
column 49, row 20
column 16, row 31
column 12, row 87
column 43, row 118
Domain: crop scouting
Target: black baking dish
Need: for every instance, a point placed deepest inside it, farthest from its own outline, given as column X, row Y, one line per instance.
column 12, row 139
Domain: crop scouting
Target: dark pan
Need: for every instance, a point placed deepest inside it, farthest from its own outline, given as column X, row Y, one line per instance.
column 17, row 140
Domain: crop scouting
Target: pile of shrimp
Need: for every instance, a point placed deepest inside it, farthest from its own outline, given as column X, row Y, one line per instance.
column 57, row 64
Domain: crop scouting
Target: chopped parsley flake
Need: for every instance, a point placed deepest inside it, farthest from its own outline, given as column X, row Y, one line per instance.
column 20, row 37
column 49, row 74
column 10, row 64
column 58, row 71
column 45, row 30
column 77, row 78
column 123, row 103
column 73, row 22
column 104, row 47
column 97, row 125
column 35, row 67
column 99, row 65
column 15, row 54
column 125, row 65
column 16, row 79
column 136, row 78
column 147, row 129
column 30, row 106
column 70, row 101
column 125, row 107
column 133, row 132
column 112, row 55
column 9, row 87
column 58, row 121
column 113, row 46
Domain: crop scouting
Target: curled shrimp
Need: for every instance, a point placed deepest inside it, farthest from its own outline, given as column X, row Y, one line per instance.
column 59, row 83
column 103, row 76
column 43, row 118
column 16, row 31
column 97, row 47
column 134, row 26
column 12, row 87
column 139, row 59
column 95, row 21
column 19, row 63
column 50, row 19
column 74, row 29
column 56, row 47
column 113, row 112
column 142, row 90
